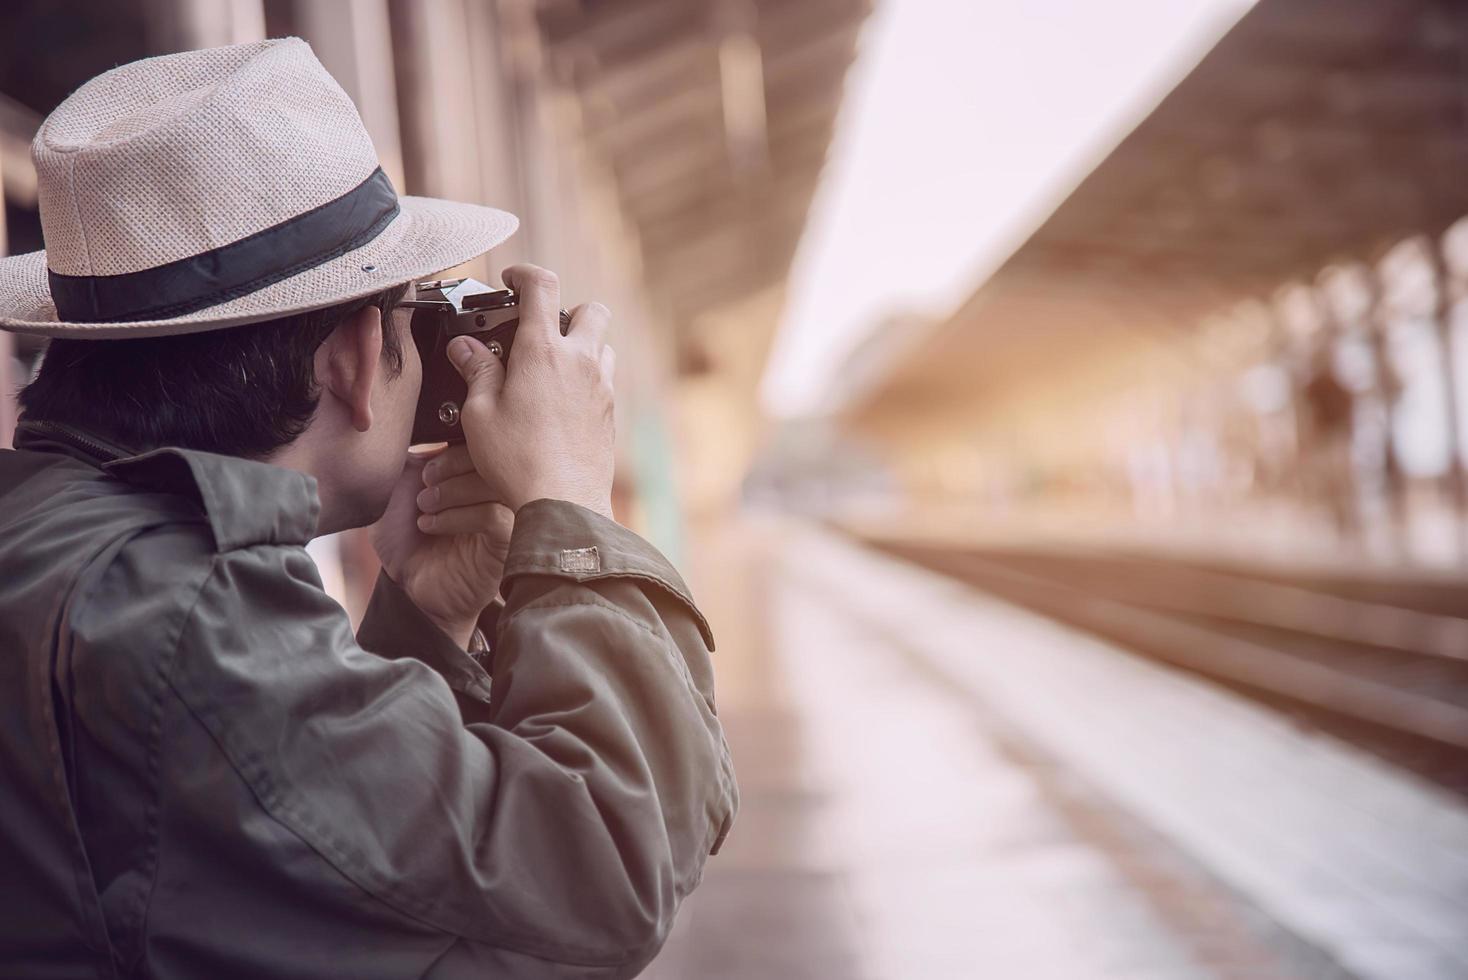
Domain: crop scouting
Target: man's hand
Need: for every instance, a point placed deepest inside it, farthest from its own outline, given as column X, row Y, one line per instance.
column 449, row 557
column 544, row 426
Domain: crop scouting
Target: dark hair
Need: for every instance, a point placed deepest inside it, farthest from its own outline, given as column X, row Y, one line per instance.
column 241, row 391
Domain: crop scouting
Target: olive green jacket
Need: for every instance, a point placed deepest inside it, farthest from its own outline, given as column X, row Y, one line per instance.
column 204, row 774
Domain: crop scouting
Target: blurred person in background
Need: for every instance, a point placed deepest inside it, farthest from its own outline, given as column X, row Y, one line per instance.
column 206, row 774
column 1327, row 429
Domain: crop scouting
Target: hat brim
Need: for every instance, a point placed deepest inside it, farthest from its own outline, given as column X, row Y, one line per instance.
column 427, row 236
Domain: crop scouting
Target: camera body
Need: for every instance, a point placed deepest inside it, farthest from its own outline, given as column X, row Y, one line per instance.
column 442, row 310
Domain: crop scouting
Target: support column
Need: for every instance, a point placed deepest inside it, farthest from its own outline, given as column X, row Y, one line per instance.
column 1443, row 306
column 353, row 39
column 185, row 25
column 449, row 89
column 8, row 381
column 1454, row 326
column 498, row 113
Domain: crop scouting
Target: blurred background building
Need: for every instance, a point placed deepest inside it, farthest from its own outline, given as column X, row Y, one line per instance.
column 1061, row 409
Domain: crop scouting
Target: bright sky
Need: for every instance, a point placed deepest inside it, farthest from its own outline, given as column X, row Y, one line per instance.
column 965, row 123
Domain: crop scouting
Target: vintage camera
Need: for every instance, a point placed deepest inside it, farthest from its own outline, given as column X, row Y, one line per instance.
column 442, row 310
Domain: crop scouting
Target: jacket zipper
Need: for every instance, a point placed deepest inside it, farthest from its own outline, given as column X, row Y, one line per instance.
column 75, row 438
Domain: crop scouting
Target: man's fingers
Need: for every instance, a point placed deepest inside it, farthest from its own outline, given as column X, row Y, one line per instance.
column 540, row 300
column 480, row 369
column 447, row 463
column 589, row 323
column 417, row 464
column 464, row 520
column 459, row 491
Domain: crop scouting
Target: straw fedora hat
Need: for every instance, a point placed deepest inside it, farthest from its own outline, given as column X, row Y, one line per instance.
column 213, row 188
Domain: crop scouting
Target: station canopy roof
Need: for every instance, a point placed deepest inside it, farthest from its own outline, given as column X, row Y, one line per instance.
column 715, row 118
column 1315, row 131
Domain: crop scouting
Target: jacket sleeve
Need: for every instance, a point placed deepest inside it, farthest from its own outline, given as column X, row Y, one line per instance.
column 393, row 626
column 567, row 826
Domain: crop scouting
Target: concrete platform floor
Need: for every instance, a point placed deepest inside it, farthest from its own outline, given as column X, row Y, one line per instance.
column 898, row 823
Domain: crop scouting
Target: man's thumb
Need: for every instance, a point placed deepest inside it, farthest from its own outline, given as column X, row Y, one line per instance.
column 475, row 364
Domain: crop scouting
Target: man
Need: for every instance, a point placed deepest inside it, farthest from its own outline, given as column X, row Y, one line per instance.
column 204, row 773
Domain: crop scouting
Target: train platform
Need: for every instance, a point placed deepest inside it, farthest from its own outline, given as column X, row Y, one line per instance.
column 940, row 784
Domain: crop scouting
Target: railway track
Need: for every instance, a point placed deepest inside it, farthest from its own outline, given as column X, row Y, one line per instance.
column 1382, row 664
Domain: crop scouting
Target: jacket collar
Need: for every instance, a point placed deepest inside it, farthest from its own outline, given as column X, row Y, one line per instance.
column 246, row 502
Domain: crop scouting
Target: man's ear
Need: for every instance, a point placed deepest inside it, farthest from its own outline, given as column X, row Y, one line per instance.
column 348, row 362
